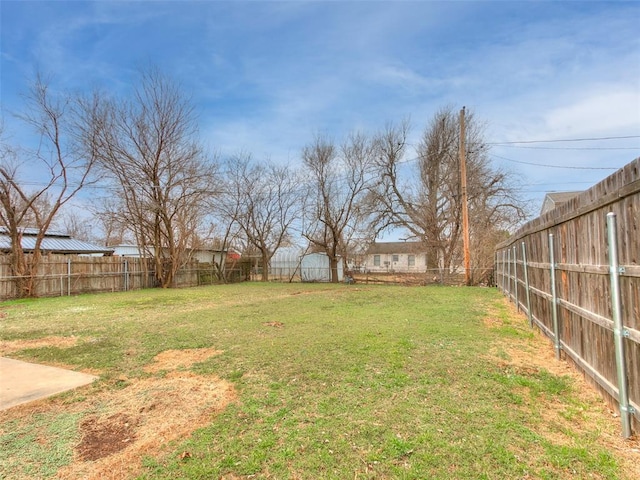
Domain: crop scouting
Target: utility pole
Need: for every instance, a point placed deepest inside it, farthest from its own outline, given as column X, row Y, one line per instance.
column 465, row 207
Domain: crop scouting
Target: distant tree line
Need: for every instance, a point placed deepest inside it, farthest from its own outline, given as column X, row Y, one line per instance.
column 155, row 185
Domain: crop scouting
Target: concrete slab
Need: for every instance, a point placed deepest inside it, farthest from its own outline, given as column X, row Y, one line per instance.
column 22, row 382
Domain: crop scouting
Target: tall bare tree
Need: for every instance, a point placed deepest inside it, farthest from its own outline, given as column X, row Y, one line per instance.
column 148, row 147
column 109, row 218
column 427, row 202
column 62, row 172
column 340, row 181
column 75, row 225
column 264, row 200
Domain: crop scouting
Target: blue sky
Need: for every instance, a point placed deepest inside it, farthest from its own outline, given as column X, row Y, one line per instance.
column 266, row 76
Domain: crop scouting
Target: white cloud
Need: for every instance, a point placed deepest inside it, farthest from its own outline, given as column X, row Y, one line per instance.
column 609, row 111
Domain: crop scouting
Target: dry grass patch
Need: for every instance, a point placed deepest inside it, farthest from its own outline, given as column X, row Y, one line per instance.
column 141, row 420
column 561, row 421
column 121, row 427
column 174, row 359
column 11, row 346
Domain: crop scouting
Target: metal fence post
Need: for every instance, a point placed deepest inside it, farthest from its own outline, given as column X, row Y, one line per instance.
column 126, row 275
column 515, row 277
column 526, row 284
column 68, row 277
column 619, row 331
column 509, row 273
column 504, row 271
column 554, row 298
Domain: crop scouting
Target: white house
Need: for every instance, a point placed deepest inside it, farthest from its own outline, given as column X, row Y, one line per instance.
column 404, row 257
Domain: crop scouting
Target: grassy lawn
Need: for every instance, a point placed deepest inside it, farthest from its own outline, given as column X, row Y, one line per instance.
column 319, row 381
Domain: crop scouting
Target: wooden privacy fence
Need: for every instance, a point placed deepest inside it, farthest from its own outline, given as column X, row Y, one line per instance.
column 575, row 272
column 60, row 275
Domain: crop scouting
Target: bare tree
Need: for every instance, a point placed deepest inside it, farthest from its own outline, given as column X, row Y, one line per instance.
column 110, row 221
column 427, row 203
column 340, row 180
column 263, row 200
column 76, row 226
column 228, row 234
column 148, row 147
column 62, row 172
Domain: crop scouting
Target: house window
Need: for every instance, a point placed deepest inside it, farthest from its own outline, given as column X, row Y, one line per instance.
column 395, row 258
column 412, row 260
column 376, row 260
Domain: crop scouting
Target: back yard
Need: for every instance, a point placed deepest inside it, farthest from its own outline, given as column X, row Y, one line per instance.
column 302, row 382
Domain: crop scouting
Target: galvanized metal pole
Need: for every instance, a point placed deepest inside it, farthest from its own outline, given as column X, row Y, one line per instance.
column 502, row 267
column 515, row 276
column 505, row 279
column 554, row 298
column 68, row 277
column 619, row 331
column 526, row 284
column 509, row 273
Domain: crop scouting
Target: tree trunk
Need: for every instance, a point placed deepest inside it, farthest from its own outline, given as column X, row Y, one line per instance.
column 19, row 272
column 265, row 267
column 333, row 261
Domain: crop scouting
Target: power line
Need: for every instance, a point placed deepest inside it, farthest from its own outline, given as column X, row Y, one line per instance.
column 567, row 148
column 553, row 166
column 566, row 140
column 555, row 183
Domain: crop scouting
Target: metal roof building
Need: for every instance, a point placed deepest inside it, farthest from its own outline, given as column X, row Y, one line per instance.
column 53, row 242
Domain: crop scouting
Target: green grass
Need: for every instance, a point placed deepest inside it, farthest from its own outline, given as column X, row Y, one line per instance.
column 37, row 449
column 361, row 382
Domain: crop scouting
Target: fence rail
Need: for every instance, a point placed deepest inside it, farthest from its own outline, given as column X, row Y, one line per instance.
column 60, row 275
column 574, row 271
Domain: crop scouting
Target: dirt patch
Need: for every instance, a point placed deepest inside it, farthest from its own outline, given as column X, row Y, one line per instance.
column 492, row 322
column 141, row 419
column 174, row 359
column 101, row 438
column 11, row 346
column 274, row 324
column 122, row 426
column 407, row 279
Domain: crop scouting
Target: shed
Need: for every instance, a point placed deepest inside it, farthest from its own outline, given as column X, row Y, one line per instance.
column 202, row 255
column 285, row 262
column 53, row 242
column 316, row 267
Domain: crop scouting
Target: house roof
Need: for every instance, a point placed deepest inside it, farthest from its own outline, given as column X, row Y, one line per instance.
column 395, row 247
column 554, row 199
column 54, row 242
column 125, row 250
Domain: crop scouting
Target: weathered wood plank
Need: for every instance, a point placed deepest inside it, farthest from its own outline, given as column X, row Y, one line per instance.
column 583, row 278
